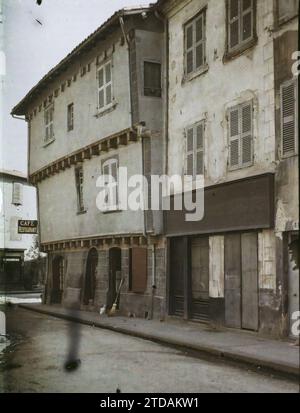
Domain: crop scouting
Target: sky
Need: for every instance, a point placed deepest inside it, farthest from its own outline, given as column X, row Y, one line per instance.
column 35, row 38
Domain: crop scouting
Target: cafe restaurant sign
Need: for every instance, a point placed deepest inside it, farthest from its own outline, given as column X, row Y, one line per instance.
column 27, row 227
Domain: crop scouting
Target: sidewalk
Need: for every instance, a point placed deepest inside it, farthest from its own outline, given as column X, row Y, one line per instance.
column 279, row 356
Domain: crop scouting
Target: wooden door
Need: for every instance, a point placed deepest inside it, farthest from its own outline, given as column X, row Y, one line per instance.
column 200, row 279
column 249, row 244
column 233, row 318
column 114, row 270
column 176, row 277
column 90, row 276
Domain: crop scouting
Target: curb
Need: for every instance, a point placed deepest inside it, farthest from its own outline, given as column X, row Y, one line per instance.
column 267, row 365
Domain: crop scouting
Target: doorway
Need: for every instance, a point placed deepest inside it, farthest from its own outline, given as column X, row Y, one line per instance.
column 57, row 280
column 90, row 277
column 241, row 281
column 115, row 257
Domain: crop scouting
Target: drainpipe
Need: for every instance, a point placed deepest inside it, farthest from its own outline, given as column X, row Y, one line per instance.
column 122, row 25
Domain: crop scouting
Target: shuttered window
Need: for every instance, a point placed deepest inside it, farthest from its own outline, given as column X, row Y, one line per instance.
column 110, row 173
column 104, row 75
column 195, row 150
column 195, row 44
column 49, row 130
column 138, row 270
column 17, row 193
column 289, row 119
column 241, row 136
column 240, row 17
column 152, row 79
column 79, row 188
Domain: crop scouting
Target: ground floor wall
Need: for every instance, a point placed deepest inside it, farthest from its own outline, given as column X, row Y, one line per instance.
column 89, row 278
column 11, row 269
column 245, row 280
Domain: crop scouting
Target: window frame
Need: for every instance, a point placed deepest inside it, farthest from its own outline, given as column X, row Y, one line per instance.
column 48, row 123
column 282, row 20
column 192, row 22
column 243, row 45
column 153, row 62
column 293, row 82
column 195, row 151
column 17, row 200
column 112, row 206
column 70, row 119
column 105, row 85
column 240, row 136
column 79, row 182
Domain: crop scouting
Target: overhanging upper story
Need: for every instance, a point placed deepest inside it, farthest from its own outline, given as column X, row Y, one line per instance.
column 90, row 102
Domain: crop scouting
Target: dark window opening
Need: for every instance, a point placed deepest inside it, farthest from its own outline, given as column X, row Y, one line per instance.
column 152, row 79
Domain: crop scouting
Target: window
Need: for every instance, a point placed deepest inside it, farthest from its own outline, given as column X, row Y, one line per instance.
column 70, row 117
column 195, row 44
column 152, row 79
column 241, row 136
column 287, row 9
column 289, row 118
column 195, row 150
column 110, row 173
column 105, row 86
column 49, row 132
column 138, row 270
column 79, row 188
column 17, row 193
column 240, row 22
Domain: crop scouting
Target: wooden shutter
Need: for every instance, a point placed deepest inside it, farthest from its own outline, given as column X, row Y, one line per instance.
column 246, row 137
column 288, row 118
column 108, row 91
column 17, row 197
column 200, row 149
column 138, row 258
column 234, row 138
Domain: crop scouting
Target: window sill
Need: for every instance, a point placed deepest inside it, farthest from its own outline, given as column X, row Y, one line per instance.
column 240, row 50
column 111, row 210
column 82, row 212
column 48, row 143
column 192, row 76
column 106, row 110
column 240, row 167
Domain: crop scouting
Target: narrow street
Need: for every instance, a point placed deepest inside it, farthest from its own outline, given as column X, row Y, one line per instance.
column 109, row 361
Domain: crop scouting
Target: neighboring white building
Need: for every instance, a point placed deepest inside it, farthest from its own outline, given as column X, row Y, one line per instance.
column 17, row 202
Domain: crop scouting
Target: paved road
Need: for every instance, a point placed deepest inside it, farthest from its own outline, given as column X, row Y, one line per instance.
column 110, row 361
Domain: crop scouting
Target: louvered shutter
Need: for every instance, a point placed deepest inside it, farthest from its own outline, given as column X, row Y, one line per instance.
column 200, row 149
column 246, row 137
column 234, row 138
column 288, row 118
column 114, row 174
column 17, row 194
column 108, row 82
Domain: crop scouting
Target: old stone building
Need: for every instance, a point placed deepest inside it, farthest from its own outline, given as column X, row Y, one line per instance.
column 100, row 109
column 232, row 116
column 185, row 88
